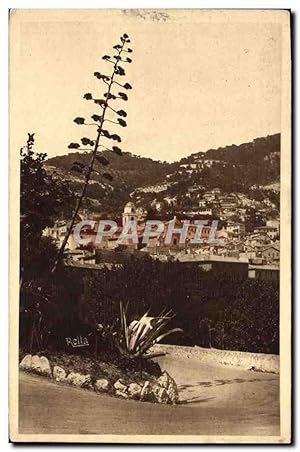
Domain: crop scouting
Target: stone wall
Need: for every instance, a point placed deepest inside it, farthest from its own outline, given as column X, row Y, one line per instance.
column 251, row 361
column 162, row 389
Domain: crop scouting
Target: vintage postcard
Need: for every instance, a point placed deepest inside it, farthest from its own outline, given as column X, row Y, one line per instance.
column 150, row 219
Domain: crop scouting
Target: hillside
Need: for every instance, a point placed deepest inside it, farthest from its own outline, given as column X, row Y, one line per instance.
column 246, row 168
column 128, row 172
column 235, row 167
column 128, row 169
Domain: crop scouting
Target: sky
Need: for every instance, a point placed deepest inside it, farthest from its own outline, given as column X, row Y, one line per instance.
column 200, row 80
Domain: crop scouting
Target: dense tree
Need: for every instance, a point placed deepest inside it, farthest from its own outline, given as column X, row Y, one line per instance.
column 253, row 220
column 42, row 199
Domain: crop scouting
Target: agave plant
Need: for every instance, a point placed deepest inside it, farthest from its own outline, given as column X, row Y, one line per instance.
column 109, row 113
column 140, row 335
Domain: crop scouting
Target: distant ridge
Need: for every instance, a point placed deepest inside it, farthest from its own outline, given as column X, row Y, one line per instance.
column 232, row 168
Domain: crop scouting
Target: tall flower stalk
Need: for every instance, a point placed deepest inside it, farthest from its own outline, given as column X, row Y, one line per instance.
column 121, row 51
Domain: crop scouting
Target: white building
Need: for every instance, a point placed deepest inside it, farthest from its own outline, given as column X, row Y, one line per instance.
column 58, row 232
column 129, row 213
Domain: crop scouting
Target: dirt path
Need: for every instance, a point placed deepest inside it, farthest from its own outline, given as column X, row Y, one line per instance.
column 224, row 385
column 214, row 400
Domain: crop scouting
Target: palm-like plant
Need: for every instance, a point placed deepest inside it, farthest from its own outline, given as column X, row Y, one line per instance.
column 140, row 335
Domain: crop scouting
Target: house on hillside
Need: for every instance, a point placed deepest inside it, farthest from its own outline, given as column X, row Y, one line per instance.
column 57, row 232
column 274, row 224
column 236, row 229
column 271, row 253
column 271, row 231
column 209, row 196
column 210, row 162
column 257, row 239
column 205, row 211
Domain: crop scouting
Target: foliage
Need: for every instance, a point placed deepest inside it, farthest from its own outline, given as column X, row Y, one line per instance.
column 231, row 314
column 128, row 173
column 240, row 314
column 140, row 335
column 42, row 199
column 47, row 313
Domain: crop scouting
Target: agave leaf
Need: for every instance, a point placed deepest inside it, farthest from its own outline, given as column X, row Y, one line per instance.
column 144, row 325
column 125, row 330
column 121, row 316
column 163, row 319
column 133, row 326
column 151, row 340
column 162, row 313
column 142, row 334
column 155, row 333
column 124, row 326
column 156, row 324
column 132, row 330
column 168, row 317
column 174, row 330
column 154, row 355
column 165, row 314
column 126, row 307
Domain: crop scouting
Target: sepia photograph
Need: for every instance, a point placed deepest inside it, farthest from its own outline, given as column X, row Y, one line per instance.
column 150, row 221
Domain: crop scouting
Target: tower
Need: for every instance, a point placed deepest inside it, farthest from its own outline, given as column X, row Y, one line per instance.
column 129, row 213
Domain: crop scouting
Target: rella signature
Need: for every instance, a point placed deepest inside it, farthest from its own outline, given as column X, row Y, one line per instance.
column 77, row 341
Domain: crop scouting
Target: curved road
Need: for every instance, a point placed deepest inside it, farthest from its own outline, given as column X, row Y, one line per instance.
column 215, row 400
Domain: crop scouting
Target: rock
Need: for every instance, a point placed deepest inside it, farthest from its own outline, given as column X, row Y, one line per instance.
column 78, row 379
column 147, row 394
column 45, row 368
column 120, row 386
column 164, row 390
column 122, row 394
column 26, row 362
column 146, row 390
column 173, row 393
column 87, row 380
column 168, row 383
column 72, row 377
column 160, row 394
column 59, row 374
column 134, row 391
column 163, row 380
column 101, row 385
column 36, row 363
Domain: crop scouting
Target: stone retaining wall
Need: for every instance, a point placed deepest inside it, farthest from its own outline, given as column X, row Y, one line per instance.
column 251, row 361
column 160, row 390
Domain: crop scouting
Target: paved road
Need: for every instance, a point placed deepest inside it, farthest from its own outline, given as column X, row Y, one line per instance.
column 215, row 399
